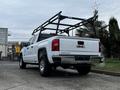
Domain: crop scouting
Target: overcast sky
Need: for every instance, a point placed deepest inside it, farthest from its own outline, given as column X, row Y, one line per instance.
column 22, row 16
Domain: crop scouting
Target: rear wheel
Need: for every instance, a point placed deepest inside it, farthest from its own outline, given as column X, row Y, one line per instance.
column 44, row 66
column 83, row 69
column 22, row 65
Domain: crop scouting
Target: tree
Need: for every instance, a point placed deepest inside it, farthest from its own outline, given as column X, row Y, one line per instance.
column 114, row 37
column 104, row 38
column 82, row 32
column 96, row 29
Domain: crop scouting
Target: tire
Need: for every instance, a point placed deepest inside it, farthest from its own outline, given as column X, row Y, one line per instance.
column 83, row 69
column 22, row 65
column 44, row 66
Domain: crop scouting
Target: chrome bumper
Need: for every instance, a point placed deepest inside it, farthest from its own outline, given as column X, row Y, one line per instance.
column 77, row 59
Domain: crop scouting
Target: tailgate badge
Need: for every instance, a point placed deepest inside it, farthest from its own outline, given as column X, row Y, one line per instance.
column 80, row 44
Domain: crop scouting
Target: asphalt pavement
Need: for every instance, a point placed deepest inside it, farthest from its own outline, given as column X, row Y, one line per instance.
column 13, row 78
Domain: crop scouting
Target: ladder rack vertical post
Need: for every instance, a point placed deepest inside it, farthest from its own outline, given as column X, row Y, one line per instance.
column 58, row 22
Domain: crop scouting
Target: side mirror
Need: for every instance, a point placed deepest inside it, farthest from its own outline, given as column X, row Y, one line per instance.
column 27, row 44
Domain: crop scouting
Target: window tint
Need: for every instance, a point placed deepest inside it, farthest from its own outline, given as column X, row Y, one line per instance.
column 33, row 39
column 44, row 36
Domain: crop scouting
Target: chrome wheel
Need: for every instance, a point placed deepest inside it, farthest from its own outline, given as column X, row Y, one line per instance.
column 20, row 62
column 22, row 65
column 42, row 66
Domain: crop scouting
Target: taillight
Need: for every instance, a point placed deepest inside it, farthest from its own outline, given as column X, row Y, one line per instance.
column 55, row 45
column 99, row 47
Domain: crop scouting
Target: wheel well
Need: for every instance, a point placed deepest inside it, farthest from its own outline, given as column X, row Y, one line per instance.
column 20, row 55
column 43, row 50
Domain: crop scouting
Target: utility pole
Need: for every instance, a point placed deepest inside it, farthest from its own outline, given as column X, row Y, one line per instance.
column 95, row 7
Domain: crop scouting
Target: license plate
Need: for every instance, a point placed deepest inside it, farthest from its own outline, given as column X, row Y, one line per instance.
column 81, row 58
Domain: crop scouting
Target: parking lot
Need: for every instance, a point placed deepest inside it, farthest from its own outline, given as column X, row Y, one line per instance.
column 13, row 78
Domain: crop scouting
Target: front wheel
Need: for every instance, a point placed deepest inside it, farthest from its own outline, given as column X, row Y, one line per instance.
column 22, row 65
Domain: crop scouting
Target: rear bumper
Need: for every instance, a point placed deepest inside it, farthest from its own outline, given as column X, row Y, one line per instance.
column 76, row 59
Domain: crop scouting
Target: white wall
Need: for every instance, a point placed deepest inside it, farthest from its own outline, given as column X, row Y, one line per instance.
column 3, row 41
column 3, row 48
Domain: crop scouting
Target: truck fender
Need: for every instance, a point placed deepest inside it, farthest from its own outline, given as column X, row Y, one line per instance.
column 43, row 51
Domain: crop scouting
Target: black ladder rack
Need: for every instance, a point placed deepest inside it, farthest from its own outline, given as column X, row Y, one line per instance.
column 58, row 17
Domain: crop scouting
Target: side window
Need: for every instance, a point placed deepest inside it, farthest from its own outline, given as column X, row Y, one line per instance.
column 44, row 36
column 41, row 38
column 33, row 39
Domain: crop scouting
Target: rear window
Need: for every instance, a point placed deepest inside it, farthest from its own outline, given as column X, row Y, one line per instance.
column 45, row 36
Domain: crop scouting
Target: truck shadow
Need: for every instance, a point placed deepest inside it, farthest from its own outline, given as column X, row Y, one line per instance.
column 59, row 73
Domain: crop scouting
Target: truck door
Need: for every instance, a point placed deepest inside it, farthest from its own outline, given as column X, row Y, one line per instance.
column 32, row 50
column 27, row 52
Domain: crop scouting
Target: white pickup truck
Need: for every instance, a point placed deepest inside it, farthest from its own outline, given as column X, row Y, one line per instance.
column 52, row 50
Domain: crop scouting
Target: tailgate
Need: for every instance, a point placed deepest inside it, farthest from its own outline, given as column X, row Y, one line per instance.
column 79, row 45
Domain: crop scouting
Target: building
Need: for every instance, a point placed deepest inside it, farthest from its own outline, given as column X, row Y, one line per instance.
column 3, row 41
column 14, row 48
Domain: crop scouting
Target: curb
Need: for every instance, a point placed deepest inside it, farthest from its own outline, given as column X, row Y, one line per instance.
column 105, row 72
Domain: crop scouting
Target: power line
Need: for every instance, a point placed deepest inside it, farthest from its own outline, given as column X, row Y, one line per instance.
column 95, row 5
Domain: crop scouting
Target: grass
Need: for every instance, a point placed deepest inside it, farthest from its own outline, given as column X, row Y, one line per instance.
column 110, row 65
